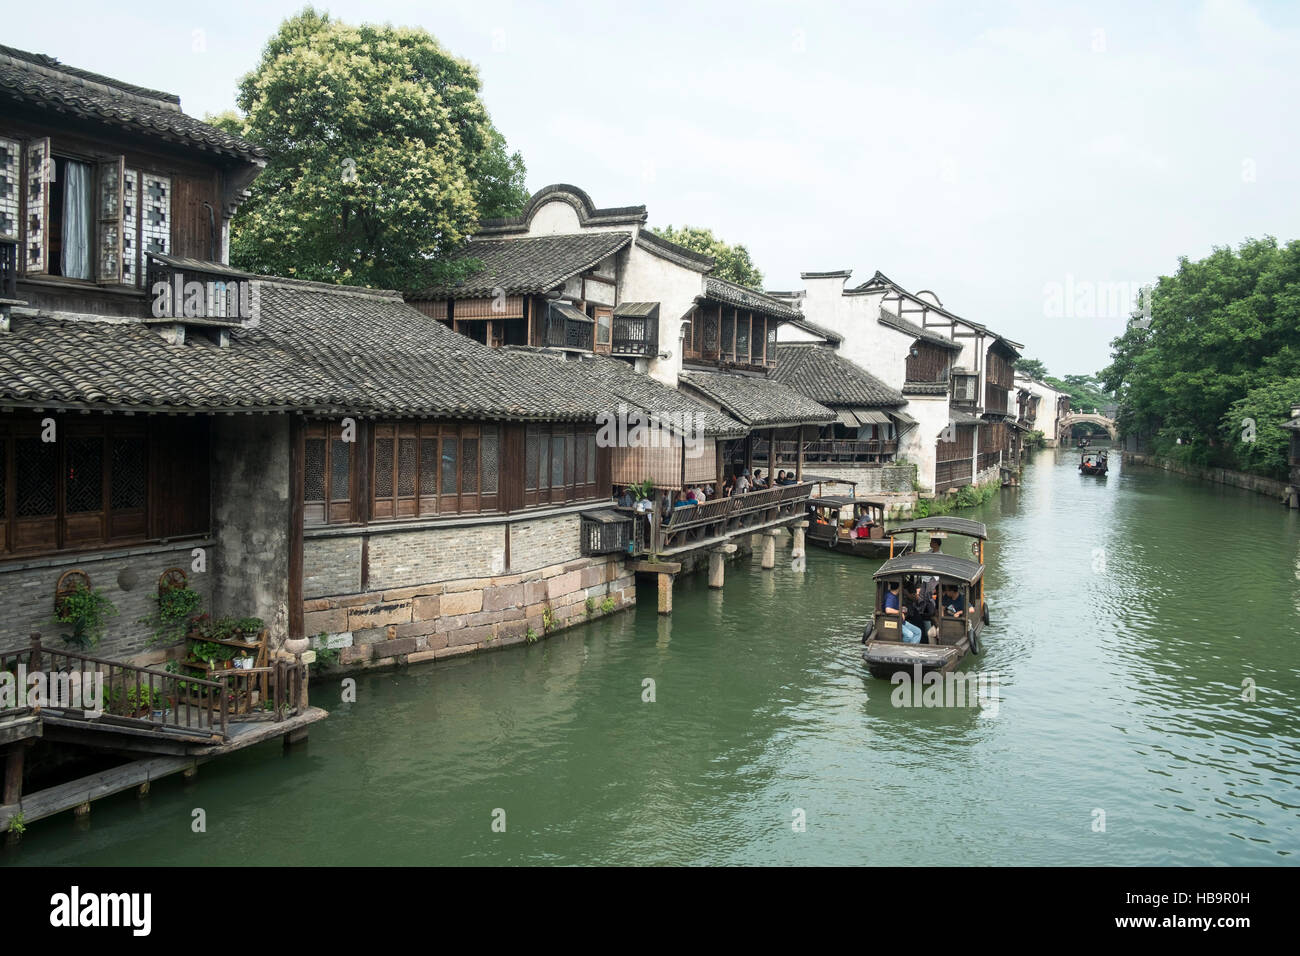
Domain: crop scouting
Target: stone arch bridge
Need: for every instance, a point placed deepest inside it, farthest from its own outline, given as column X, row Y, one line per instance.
column 1078, row 418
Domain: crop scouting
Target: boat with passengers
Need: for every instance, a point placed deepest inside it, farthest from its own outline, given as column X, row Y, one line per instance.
column 1095, row 463
column 849, row 524
column 955, row 616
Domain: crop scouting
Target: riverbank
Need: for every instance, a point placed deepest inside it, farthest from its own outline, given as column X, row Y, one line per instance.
column 1221, row 476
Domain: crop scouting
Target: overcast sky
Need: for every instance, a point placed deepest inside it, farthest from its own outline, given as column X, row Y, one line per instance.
column 998, row 153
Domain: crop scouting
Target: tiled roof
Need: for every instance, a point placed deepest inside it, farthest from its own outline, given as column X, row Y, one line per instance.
column 811, row 327
column 756, row 401
column 315, row 348
column 44, row 82
column 723, row 291
column 587, row 211
column 827, row 377
column 925, row 388
column 611, row 382
column 528, row 266
column 888, row 318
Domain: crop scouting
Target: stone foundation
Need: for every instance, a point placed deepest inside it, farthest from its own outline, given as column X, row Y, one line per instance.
column 431, row 621
column 871, row 479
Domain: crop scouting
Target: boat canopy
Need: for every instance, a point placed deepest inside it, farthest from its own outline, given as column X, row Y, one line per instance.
column 929, row 563
column 840, row 501
column 964, row 526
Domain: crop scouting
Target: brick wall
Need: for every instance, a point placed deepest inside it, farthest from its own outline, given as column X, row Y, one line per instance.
column 871, row 479
column 128, row 578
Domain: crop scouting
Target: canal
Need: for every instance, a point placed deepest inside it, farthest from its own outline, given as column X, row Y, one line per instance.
column 1126, row 616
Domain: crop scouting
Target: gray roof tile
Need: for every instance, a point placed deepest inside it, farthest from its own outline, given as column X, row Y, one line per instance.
column 756, row 401
column 730, row 293
column 527, row 266
column 827, row 377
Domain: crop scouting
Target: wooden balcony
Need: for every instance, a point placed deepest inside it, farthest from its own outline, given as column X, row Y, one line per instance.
column 849, row 450
column 567, row 328
column 636, row 329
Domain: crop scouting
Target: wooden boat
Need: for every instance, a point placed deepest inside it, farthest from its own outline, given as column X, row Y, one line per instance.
column 939, row 526
column 1094, row 463
column 1083, row 443
column 849, row 525
column 956, row 630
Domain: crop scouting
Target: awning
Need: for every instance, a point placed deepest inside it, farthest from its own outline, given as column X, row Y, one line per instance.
column 869, row 416
column 570, row 313
column 847, row 418
column 904, row 419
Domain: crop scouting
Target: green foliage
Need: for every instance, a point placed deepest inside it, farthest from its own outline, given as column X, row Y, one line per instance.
column 325, row 656
column 1252, row 427
column 548, row 619
column 210, row 651
column 382, row 156
column 589, row 606
column 1223, row 329
column 85, row 609
column 607, row 605
column 530, row 637
column 172, row 618
column 732, row 262
column 16, row 825
column 643, row 490
column 967, row 496
column 1035, row 439
column 1085, row 391
column 1034, row 368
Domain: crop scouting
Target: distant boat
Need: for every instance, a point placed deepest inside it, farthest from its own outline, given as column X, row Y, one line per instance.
column 850, row 525
column 1094, row 464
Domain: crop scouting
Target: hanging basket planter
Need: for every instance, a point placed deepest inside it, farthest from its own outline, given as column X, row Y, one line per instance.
column 171, row 579
column 69, row 583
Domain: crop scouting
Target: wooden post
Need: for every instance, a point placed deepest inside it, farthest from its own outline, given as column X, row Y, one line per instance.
column 297, row 474
column 13, row 786
column 35, row 662
column 665, row 593
column 798, row 467
column 749, row 455
column 769, row 550
column 797, row 545
column 771, row 456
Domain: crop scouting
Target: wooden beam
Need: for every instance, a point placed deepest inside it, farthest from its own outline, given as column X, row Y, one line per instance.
column 297, row 472
column 13, row 785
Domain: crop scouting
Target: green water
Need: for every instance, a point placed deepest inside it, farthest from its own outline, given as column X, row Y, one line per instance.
column 1120, row 690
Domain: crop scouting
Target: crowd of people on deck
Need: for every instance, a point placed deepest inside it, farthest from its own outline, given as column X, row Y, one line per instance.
column 699, row 493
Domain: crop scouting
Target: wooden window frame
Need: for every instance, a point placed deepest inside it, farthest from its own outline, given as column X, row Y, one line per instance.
column 461, row 498
column 333, row 508
column 580, row 460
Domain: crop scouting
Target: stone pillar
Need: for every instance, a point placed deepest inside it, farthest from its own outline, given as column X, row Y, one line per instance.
column 717, row 564
column 769, row 551
column 796, row 546
column 665, row 593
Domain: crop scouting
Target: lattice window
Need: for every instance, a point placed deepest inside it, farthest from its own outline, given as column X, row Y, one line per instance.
column 127, row 472
column 314, row 470
column 710, row 333
column 728, row 333
column 340, row 469
column 557, row 461
column 591, row 459
column 156, row 214
column 407, row 463
column 84, row 475
column 569, row 448
column 449, row 467
column 110, row 221
column 544, row 461
column 383, row 467
column 428, row 466
column 490, row 463
column 11, row 159
column 39, row 162
column 131, row 227
column 36, row 465
column 580, row 461
column 531, row 442
column 469, row 466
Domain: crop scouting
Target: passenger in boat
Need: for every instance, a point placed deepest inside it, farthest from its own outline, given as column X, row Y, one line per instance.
column 953, row 602
column 759, row 482
column 936, row 545
column 921, row 610
column 911, row 633
column 862, row 527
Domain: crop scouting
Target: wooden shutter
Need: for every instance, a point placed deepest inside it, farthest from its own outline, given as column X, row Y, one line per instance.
column 36, row 245
column 108, row 237
column 131, row 273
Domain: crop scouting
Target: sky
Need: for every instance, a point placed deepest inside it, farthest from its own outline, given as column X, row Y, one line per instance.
column 1032, row 163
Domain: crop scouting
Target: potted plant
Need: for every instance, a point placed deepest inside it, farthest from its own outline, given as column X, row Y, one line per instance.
column 177, row 609
column 85, row 609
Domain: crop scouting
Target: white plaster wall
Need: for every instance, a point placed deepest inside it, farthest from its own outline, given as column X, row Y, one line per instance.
column 648, row 277
column 555, row 217
column 918, row 444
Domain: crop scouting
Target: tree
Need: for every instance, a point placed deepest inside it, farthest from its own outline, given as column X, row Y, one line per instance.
column 1034, row 368
column 732, row 262
column 382, row 156
column 1221, row 329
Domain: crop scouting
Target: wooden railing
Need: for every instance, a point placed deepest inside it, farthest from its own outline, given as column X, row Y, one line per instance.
column 8, row 269
column 952, row 474
column 870, row 451
column 726, row 516
column 152, row 698
column 988, row 459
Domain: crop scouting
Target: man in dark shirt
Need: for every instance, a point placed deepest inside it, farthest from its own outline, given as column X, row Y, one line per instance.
column 921, row 612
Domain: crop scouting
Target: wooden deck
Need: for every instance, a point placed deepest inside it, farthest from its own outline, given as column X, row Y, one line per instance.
column 142, row 772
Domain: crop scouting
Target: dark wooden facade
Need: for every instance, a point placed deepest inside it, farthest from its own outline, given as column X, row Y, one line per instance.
column 85, row 482
column 383, row 471
column 928, row 362
column 731, row 337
